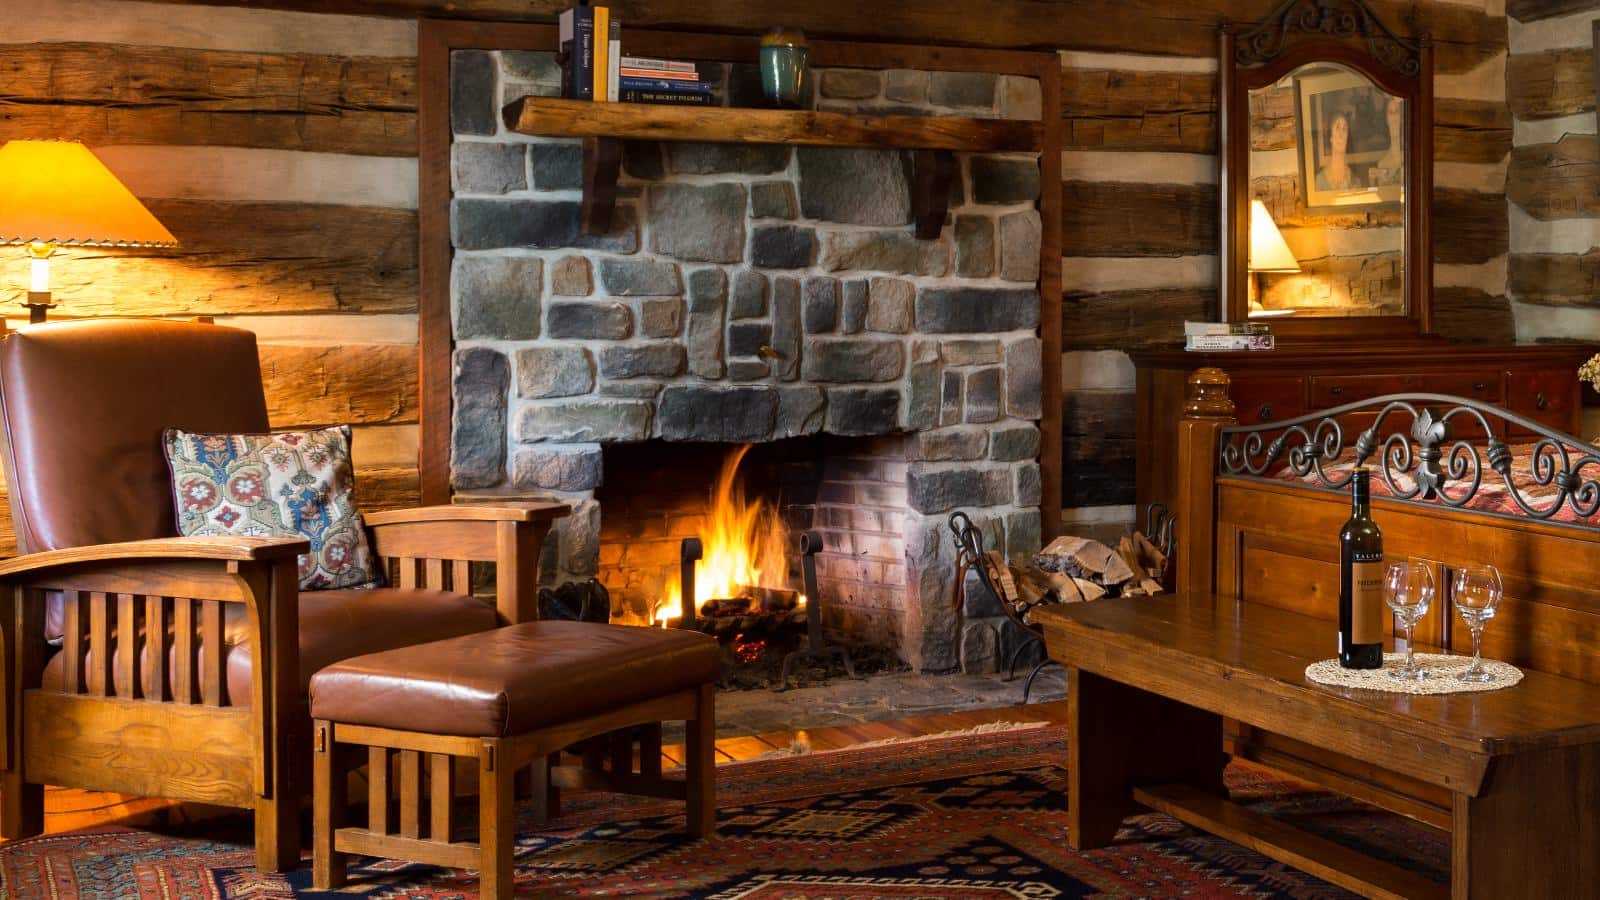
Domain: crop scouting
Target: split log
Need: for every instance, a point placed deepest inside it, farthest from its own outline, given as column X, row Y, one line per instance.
column 120, row 94
column 1125, row 319
column 1555, row 279
column 1468, row 227
column 1124, row 219
column 1471, row 315
column 332, row 385
column 1534, row 10
column 1470, row 131
column 1556, row 181
column 1550, row 84
column 387, row 488
column 1130, row 110
column 1100, row 432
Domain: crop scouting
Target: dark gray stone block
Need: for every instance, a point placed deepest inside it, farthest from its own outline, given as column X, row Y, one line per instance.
column 863, row 411
column 474, row 97
column 748, row 369
column 980, row 646
column 556, row 470
column 478, row 430
column 884, row 251
column 844, row 360
column 538, row 66
column 496, row 297
column 661, row 318
column 695, row 413
column 1019, row 246
column 853, row 306
column 905, row 85
column 975, row 246
column 638, row 360
column 786, row 327
column 703, row 223
column 782, row 247
column 889, row 306
column 1025, row 378
column 574, row 422
column 1029, row 490
column 922, row 399
column 556, row 167
column 933, row 490
column 965, row 310
column 850, row 84
column 640, row 277
column 800, row 411
column 819, row 304
column 1014, row 442
column 708, row 292
column 950, row 405
column 570, row 276
column 1003, row 180
column 747, row 338
column 597, row 320
column 977, row 601
column 772, row 200
column 749, row 295
column 968, row 89
column 484, row 223
column 716, row 159
column 946, row 444
column 856, row 186
column 544, row 372
column 632, row 390
column 477, row 167
column 970, row 351
column 984, row 395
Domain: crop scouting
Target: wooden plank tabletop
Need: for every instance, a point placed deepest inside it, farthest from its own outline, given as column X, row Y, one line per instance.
column 1208, row 651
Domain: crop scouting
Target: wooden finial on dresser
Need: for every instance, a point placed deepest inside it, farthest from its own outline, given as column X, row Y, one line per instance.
column 1206, row 412
column 1208, row 395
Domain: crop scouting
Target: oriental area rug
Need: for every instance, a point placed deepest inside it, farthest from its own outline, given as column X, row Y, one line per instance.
column 975, row 815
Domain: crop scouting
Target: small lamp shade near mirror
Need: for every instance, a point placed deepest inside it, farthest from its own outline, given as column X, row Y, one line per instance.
column 1268, row 250
column 55, row 193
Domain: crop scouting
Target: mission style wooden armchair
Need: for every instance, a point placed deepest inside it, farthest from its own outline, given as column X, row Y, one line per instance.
column 144, row 663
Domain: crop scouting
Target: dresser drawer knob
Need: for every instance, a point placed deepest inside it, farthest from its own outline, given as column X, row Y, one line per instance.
column 1265, row 412
column 1479, row 386
column 1336, row 391
column 1541, row 402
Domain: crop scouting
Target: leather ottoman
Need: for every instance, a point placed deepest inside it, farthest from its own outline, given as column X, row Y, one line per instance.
column 511, row 698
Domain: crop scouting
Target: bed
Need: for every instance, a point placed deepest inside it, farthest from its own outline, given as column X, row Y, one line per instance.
column 1455, row 482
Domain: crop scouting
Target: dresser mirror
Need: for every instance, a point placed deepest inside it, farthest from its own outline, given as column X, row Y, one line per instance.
column 1325, row 113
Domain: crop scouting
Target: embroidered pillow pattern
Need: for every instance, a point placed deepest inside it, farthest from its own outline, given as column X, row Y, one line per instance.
column 286, row 484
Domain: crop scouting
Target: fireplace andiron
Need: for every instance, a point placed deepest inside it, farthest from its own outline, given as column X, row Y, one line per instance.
column 817, row 646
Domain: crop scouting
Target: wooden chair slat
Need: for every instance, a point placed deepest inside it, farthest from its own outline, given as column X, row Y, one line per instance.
column 378, row 790
column 442, row 788
column 128, row 646
column 211, row 652
column 72, row 641
column 434, row 574
column 408, row 572
column 159, row 639
column 461, row 576
column 183, row 628
column 99, row 645
column 410, row 794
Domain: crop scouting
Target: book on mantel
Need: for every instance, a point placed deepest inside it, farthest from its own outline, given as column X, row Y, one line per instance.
column 646, row 80
column 1226, row 336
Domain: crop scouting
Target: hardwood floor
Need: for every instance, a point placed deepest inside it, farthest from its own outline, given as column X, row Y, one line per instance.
column 67, row 809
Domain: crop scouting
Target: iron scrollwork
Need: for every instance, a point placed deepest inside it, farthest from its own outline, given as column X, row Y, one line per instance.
column 1297, row 20
column 1425, row 461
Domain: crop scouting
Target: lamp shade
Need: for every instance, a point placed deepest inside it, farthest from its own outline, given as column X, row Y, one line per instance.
column 58, row 192
column 1268, row 250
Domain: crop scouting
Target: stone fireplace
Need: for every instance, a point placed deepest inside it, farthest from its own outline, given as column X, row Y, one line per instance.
column 762, row 295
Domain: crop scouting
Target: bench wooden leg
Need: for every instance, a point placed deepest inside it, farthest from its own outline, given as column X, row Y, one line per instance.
column 1534, row 832
column 496, row 822
column 21, row 806
column 1122, row 738
column 701, row 815
column 329, row 805
column 546, row 796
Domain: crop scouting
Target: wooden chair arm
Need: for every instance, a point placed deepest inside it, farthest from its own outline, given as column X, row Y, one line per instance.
column 222, row 549
column 506, row 512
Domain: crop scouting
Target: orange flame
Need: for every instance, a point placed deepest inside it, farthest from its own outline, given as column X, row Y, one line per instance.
column 742, row 542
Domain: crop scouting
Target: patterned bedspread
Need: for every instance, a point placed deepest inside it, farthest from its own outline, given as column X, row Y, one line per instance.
column 1493, row 495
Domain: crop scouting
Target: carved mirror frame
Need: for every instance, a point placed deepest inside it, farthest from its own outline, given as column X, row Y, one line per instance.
column 1348, row 33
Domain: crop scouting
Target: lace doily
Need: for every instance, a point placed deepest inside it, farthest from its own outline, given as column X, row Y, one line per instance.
column 1441, row 678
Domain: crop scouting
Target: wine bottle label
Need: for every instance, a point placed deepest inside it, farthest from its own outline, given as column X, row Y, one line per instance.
column 1366, row 602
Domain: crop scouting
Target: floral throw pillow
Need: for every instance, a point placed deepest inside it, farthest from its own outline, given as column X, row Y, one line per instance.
column 286, row 484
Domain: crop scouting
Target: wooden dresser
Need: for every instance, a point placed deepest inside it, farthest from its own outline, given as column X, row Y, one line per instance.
column 1538, row 381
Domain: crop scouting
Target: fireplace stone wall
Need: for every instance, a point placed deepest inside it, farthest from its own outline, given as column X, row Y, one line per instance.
column 753, row 294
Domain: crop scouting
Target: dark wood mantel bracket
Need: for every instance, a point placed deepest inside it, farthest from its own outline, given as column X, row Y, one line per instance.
column 602, row 164
column 931, row 171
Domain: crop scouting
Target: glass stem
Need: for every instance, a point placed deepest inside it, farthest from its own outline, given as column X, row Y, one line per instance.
column 1410, row 664
column 1477, row 648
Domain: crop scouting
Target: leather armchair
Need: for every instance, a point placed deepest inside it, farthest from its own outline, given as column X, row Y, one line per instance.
column 141, row 662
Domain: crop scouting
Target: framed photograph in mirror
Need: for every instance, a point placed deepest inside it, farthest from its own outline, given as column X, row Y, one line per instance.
column 1351, row 137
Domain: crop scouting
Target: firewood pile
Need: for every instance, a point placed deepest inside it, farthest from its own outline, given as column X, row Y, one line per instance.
column 1073, row 570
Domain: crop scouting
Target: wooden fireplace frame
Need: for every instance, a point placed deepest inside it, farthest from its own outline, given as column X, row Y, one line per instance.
column 437, row 37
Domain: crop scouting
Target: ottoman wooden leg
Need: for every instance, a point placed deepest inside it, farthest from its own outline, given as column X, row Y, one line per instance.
column 496, row 823
column 329, row 800
column 701, row 815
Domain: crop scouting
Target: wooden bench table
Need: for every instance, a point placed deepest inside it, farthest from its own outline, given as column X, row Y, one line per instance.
column 1151, row 679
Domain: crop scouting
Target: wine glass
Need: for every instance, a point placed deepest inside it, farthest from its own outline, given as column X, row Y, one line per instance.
column 1477, row 596
column 1408, row 588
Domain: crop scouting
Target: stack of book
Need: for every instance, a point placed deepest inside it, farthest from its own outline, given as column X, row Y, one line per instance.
column 590, row 66
column 646, row 80
column 1214, row 336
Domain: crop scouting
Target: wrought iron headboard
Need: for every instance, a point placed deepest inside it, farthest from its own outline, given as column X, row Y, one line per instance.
column 1444, row 469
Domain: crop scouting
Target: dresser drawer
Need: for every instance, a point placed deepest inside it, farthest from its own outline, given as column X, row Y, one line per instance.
column 1268, row 399
column 1548, row 396
column 1472, row 385
column 1337, row 390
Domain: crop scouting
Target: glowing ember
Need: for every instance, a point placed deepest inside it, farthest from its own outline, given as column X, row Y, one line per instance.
column 748, row 651
column 743, row 543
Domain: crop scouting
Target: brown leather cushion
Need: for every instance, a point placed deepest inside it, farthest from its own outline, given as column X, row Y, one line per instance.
column 335, row 625
column 513, row 680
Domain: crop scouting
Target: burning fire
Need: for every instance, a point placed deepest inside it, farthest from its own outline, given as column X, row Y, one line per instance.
column 742, row 541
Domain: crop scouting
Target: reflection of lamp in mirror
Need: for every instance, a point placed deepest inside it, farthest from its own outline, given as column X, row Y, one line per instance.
column 1269, row 252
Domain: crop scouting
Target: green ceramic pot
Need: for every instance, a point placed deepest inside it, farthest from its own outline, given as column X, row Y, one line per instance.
column 785, row 75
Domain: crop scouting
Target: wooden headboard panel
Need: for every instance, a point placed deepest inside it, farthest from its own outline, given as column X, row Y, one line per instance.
column 1275, row 542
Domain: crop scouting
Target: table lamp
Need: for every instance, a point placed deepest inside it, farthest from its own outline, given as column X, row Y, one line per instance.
column 58, row 192
column 1269, row 252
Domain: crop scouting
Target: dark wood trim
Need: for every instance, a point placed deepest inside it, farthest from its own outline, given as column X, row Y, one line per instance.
column 437, row 37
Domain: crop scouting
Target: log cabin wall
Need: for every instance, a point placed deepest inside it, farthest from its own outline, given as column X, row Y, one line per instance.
column 280, row 147
column 1553, row 185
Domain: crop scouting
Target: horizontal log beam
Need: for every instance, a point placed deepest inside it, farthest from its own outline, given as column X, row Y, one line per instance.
column 1551, row 84
column 1104, row 109
column 1555, row 279
column 1534, row 10
column 1470, row 131
column 1099, row 436
column 1468, row 227
column 1472, row 316
column 1463, row 35
column 387, row 488
column 1123, row 320
column 240, row 258
column 1126, row 219
column 339, row 384
column 1556, row 181
column 118, row 94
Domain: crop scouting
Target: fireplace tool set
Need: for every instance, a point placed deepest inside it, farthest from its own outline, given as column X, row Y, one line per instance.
column 762, row 612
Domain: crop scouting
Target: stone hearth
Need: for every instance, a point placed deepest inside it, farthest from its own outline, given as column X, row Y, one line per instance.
column 758, row 294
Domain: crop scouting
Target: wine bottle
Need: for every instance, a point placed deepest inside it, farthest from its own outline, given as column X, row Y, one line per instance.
column 1361, row 580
